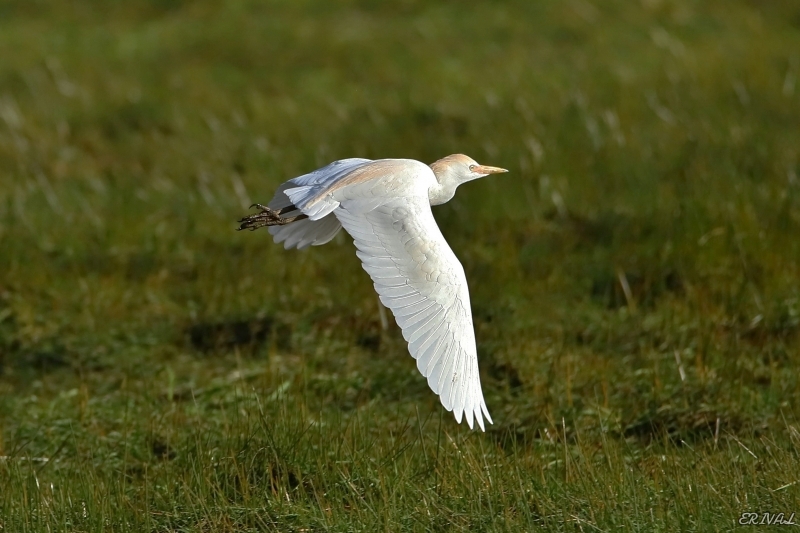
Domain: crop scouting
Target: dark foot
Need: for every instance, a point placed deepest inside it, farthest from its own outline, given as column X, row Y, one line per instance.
column 267, row 217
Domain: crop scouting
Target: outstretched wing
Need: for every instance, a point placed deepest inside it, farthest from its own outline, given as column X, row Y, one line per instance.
column 420, row 279
column 308, row 232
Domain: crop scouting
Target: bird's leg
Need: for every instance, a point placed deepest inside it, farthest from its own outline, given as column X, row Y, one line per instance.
column 269, row 217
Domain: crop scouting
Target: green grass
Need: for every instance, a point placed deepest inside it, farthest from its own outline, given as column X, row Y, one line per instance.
column 162, row 372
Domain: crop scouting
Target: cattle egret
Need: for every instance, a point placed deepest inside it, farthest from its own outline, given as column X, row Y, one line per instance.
column 385, row 205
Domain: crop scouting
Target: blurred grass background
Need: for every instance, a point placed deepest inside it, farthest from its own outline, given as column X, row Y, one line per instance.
column 634, row 278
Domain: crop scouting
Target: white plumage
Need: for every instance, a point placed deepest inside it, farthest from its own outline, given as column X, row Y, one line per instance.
column 385, row 205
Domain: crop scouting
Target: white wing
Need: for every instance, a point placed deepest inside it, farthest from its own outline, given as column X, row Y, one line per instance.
column 420, row 279
column 307, row 232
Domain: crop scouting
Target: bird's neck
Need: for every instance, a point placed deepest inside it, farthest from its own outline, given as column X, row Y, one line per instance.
column 446, row 183
column 442, row 192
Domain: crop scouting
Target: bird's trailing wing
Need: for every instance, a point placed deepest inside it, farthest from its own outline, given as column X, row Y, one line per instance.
column 307, row 232
column 420, row 279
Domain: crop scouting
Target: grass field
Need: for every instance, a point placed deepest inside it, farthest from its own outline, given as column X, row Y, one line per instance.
column 635, row 278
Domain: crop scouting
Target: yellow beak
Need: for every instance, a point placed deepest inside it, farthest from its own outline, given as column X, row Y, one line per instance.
column 484, row 169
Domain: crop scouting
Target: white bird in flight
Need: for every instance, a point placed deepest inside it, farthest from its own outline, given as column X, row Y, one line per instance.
column 385, row 205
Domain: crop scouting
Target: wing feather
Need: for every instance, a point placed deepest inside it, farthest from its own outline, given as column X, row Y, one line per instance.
column 377, row 262
column 419, row 278
column 434, row 368
column 434, row 330
column 417, row 310
column 392, row 292
column 425, row 329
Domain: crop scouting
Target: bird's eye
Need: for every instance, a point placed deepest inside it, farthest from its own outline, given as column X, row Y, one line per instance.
column 473, row 167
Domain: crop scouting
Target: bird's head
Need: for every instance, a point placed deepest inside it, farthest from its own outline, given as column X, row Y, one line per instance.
column 459, row 168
